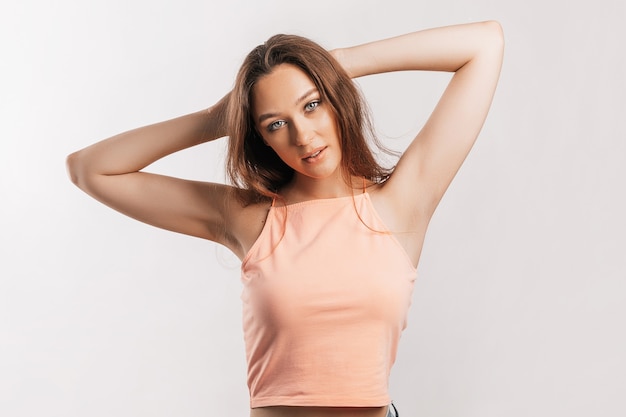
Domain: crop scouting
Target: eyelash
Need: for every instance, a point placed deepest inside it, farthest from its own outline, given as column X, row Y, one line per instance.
column 274, row 125
column 314, row 102
column 309, row 107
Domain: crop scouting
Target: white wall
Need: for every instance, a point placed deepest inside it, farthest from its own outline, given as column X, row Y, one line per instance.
column 520, row 303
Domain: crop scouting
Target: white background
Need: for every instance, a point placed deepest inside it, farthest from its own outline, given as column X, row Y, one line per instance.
column 520, row 305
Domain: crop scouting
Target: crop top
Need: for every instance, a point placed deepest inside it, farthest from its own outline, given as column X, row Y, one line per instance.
column 325, row 299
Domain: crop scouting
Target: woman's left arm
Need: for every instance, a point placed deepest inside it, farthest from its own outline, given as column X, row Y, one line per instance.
column 474, row 53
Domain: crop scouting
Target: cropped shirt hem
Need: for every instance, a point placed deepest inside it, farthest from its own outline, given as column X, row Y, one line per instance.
column 319, row 401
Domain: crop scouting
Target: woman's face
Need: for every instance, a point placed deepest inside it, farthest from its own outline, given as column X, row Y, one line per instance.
column 296, row 123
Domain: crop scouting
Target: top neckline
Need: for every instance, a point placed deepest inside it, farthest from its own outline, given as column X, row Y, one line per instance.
column 318, row 200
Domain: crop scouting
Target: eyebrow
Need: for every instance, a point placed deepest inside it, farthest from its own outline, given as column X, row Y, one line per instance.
column 300, row 99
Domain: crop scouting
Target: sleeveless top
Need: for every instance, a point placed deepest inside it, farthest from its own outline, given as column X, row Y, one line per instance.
column 326, row 292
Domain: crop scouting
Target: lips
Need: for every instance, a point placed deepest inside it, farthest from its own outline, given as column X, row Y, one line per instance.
column 314, row 153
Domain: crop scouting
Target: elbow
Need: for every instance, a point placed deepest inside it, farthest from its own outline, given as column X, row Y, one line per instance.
column 494, row 31
column 72, row 164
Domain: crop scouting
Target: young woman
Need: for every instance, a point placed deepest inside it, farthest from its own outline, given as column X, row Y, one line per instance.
column 329, row 239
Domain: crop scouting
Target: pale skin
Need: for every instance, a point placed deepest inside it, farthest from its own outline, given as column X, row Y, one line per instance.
column 296, row 124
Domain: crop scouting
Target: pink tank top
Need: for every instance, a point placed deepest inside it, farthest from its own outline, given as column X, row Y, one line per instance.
column 325, row 299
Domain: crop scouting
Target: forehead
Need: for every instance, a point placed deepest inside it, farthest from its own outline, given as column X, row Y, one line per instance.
column 280, row 89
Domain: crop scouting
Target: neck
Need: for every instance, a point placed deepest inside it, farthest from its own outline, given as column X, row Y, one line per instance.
column 303, row 188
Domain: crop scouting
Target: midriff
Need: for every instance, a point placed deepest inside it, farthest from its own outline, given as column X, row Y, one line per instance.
column 281, row 411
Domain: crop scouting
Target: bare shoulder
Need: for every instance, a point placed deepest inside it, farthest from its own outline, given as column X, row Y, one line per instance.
column 244, row 221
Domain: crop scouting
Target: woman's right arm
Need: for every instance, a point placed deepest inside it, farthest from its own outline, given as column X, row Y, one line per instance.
column 110, row 171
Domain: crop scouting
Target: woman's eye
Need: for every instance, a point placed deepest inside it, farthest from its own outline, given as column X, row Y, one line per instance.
column 312, row 105
column 275, row 125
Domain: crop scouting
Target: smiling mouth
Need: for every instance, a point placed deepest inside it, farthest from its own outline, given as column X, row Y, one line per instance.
column 314, row 154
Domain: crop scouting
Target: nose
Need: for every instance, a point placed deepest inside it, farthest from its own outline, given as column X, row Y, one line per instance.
column 302, row 132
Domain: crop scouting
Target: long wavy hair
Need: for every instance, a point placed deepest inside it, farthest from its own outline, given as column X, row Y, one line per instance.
column 254, row 167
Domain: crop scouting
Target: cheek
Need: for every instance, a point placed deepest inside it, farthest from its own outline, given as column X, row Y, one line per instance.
column 276, row 141
column 330, row 122
column 281, row 148
column 333, row 128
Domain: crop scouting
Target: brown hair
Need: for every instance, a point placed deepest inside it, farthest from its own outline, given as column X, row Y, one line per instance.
column 256, row 168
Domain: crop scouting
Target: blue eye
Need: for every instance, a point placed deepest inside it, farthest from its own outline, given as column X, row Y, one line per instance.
column 275, row 125
column 312, row 105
